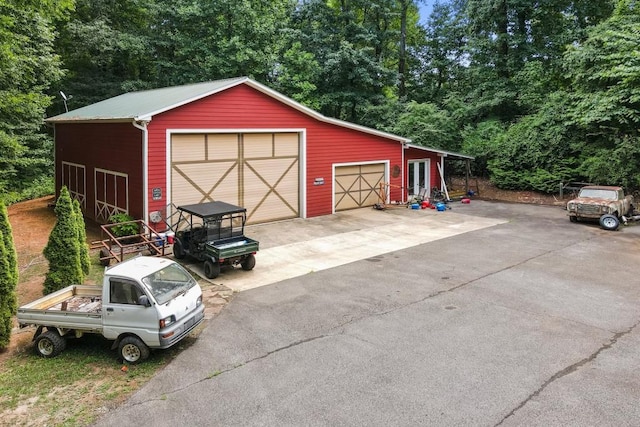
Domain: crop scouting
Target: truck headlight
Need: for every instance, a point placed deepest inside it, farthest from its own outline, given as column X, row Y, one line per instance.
column 199, row 301
column 604, row 209
column 571, row 206
column 167, row 321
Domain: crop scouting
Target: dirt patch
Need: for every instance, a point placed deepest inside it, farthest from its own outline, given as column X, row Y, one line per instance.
column 31, row 222
column 484, row 190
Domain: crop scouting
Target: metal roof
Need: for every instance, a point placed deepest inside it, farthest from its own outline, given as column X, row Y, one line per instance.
column 442, row 152
column 143, row 105
column 211, row 209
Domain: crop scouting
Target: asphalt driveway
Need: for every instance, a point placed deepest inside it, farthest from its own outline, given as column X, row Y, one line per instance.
column 529, row 321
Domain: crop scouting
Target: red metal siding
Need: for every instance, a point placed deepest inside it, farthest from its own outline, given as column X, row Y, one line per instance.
column 414, row 154
column 111, row 146
column 243, row 108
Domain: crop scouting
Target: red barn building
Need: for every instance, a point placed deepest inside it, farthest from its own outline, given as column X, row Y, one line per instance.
column 234, row 140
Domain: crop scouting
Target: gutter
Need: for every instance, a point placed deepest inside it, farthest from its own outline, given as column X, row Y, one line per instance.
column 142, row 125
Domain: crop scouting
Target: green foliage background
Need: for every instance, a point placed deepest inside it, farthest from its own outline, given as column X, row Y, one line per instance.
column 539, row 92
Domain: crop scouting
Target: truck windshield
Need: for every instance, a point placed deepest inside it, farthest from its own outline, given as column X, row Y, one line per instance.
column 168, row 283
column 597, row 193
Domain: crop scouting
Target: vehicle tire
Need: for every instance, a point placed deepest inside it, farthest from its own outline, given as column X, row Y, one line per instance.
column 609, row 222
column 49, row 344
column 132, row 350
column 248, row 263
column 105, row 257
column 573, row 218
column 211, row 269
column 178, row 249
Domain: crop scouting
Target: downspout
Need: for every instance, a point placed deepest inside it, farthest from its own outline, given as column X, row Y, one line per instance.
column 142, row 125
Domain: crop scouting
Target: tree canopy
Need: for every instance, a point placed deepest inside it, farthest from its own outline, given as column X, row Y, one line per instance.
column 539, row 92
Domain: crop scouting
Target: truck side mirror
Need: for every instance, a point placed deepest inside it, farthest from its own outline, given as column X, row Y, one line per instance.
column 144, row 300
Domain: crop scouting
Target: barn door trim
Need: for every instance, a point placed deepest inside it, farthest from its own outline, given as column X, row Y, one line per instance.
column 103, row 209
column 68, row 178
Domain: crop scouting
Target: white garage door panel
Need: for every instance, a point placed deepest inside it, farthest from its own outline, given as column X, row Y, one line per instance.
column 202, row 182
column 257, row 145
column 357, row 185
column 258, row 171
column 286, row 144
column 222, row 146
column 187, row 148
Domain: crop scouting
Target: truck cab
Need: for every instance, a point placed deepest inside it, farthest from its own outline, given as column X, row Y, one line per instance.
column 609, row 204
column 144, row 303
column 153, row 298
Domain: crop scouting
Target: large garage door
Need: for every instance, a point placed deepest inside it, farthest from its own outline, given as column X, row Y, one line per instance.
column 257, row 171
column 357, row 186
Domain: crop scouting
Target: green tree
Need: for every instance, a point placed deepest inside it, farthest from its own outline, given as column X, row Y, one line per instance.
column 196, row 41
column 7, row 232
column 85, row 260
column 28, row 69
column 428, row 125
column 62, row 250
column 605, row 91
column 106, row 46
column 8, row 277
column 7, row 297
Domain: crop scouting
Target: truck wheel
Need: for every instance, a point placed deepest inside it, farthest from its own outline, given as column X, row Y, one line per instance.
column 178, row 249
column 248, row 263
column 211, row 269
column 50, row 344
column 573, row 218
column 133, row 350
column 609, row 222
column 105, row 257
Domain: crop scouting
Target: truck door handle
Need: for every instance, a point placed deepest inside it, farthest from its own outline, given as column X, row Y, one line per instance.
column 109, row 309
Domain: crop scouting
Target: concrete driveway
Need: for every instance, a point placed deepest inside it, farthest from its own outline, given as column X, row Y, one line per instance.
column 530, row 321
column 297, row 247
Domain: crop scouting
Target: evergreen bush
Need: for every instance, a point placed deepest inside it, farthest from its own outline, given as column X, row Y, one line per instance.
column 7, row 296
column 8, row 277
column 62, row 250
column 85, row 260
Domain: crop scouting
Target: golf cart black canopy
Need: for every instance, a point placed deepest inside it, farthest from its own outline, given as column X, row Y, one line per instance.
column 209, row 209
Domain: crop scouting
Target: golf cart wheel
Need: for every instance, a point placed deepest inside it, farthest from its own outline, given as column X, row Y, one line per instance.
column 132, row 350
column 50, row 344
column 609, row 222
column 105, row 257
column 178, row 249
column 211, row 269
column 248, row 263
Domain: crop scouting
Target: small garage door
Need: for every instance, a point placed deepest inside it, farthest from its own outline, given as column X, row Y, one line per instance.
column 357, row 186
column 259, row 171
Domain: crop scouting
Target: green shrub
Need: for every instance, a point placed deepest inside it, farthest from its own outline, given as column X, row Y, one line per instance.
column 62, row 250
column 126, row 227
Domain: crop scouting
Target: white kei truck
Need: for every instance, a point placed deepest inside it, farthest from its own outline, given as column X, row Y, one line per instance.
column 143, row 303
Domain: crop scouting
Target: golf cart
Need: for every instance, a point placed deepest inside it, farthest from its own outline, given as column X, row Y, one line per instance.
column 213, row 232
